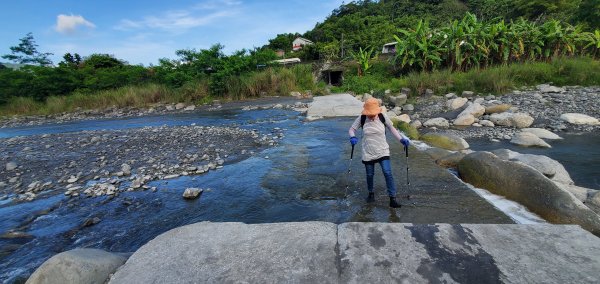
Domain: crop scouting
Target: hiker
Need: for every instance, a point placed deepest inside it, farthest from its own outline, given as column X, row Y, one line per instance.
column 375, row 148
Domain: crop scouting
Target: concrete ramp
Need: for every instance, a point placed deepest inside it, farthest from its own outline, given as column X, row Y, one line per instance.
column 321, row 252
column 334, row 105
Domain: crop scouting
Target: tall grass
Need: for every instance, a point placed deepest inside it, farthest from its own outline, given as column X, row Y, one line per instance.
column 271, row 81
column 494, row 80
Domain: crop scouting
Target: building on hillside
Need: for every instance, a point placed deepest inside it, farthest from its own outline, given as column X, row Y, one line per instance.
column 389, row 48
column 299, row 42
column 287, row 61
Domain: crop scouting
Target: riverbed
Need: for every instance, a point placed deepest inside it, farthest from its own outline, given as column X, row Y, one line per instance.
column 303, row 177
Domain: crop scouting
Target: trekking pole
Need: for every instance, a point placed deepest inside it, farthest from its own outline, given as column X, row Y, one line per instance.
column 407, row 180
column 349, row 170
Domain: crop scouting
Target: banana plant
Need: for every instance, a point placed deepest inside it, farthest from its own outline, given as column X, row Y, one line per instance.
column 363, row 58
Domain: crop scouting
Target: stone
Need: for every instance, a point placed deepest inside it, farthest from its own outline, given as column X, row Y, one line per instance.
column 190, row 108
column 171, row 176
column 450, row 161
column 11, row 166
column 450, row 95
column 545, row 88
column 334, row 105
column 391, row 114
column 78, row 266
column 408, row 107
column 464, row 120
column 542, row 133
column 456, row 103
column 579, row 119
column 428, row 93
column 519, row 120
column 474, row 109
column 437, row 153
column 192, row 193
column 90, row 222
column 405, row 91
column 497, row 108
column 486, row 123
column 445, row 141
column 468, row 94
column 439, row 122
column 295, row 94
column 404, row 117
column 528, row 187
column 72, row 179
column 479, row 100
column 549, row 167
column 302, row 252
column 528, row 139
column 179, row 106
column 416, row 124
column 126, row 169
column 398, row 100
column 579, row 192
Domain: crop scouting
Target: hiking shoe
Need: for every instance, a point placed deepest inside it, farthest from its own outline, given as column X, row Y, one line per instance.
column 393, row 203
column 371, row 197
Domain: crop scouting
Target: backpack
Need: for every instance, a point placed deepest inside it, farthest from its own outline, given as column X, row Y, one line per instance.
column 363, row 118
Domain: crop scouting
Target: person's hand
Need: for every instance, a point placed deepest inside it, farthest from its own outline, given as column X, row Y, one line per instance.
column 353, row 140
column 405, row 141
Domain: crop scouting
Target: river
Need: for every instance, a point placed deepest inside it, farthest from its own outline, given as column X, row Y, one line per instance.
column 302, row 179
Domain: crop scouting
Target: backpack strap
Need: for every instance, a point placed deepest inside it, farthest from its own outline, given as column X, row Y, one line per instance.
column 363, row 118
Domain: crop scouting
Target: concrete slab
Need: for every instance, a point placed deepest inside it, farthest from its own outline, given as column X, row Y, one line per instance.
column 320, row 252
column 235, row 252
column 334, row 105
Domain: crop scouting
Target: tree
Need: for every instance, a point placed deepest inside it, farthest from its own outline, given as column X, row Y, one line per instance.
column 26, row 53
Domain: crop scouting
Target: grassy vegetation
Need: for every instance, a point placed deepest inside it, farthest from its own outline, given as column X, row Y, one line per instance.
column 494, row 80
column 272, row 81
column 409, row 130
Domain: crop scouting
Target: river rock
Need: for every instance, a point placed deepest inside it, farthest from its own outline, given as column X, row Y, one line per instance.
column 528, row 187
column 464, row 120
column 528, row 139
column 486, row 123
column 398, row 100
column 542, row 133
column 547, row 166
column 78, row 266
column 545, row 88
column 192, row 193
column 519, row 120
column 404, row 117
column 497, row 108
column 334, row 105
column 190, row 108
column 405, row 91
column 179, row 106
column 126, row 169
column 416, row 124
column 438, row 122
column 450, row 161
column 578, row 118
column 408, row 107
column 445, row 141
column 456, row 103
column 474, row 109
column 11, row 166
column 468, row 94
column 579, row 192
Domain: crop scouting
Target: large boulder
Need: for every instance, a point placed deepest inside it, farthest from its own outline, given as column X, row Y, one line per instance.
column 527, row 186
column 528, row 139
column 497, row 108
column 450, row 161
column 519, row 120
column 473, row 109
column 397, row 100
column 464, row 120
column 334, row 105
column 445, row 141
column 438, row 122
column 579, row 118
column 78, row 266
column 456, row 103
column 436, row 153
column 545, row 88
column 542, row 133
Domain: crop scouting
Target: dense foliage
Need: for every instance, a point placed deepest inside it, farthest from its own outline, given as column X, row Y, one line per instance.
column 457, row 35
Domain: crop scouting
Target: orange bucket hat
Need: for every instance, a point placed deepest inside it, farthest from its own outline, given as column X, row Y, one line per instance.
column 371, row 107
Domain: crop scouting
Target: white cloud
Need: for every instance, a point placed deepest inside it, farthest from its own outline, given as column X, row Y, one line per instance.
column 68, row 24
column 178, row 21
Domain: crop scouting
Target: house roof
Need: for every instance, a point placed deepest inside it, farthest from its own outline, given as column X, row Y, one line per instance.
column 307, row 40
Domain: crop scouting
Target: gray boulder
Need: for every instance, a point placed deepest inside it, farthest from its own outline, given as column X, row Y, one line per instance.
column 545, row 88
column 192, row 193
column 497, row 108
column 11, row 166
column 468, row 94
column 542, row 133
column 334, row 105
column 528, row 139
column 519, row 120
column 579, row 118
column 527, row 186
column 437, row 153
column 464, row 120
column 450, row 161
column 445, row 141
column 438, row 122
column 456, row 103
column 397, row 100
column 78, row 266
column 473, row 109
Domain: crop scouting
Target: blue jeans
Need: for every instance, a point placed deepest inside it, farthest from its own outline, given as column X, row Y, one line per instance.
column 386, row 168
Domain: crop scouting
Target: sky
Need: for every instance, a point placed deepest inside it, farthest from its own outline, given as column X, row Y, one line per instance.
column 143, row 31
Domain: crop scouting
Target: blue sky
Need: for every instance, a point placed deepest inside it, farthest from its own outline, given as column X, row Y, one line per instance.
column 142, row 31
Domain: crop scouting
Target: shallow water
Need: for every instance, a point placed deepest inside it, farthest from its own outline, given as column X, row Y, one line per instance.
column 304, row 178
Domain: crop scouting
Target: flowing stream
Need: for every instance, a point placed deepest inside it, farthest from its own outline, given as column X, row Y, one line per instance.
column 302, row 179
